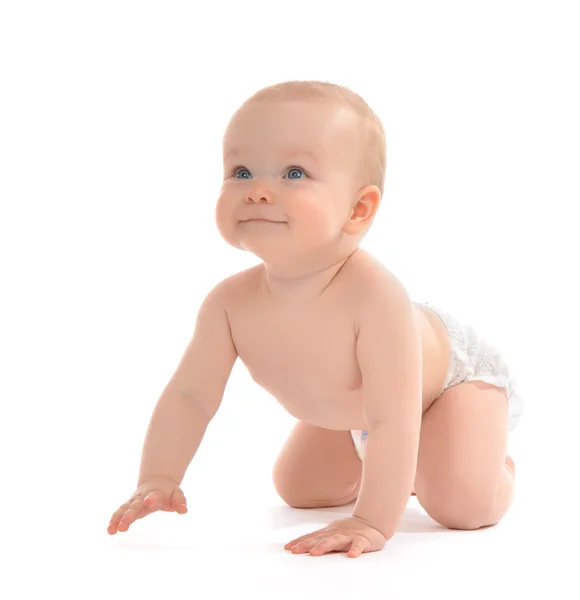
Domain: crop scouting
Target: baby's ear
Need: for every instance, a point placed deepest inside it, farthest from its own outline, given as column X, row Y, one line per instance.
column 364, row 210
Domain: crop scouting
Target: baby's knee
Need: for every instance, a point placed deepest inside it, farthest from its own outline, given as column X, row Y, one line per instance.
column 297, row 500
column 460, row 506
column 300, row 492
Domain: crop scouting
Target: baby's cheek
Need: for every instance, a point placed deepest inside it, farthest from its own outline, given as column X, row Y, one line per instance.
column 325, row 218
column 224, row 220
column 320, row 227
column 312, row 212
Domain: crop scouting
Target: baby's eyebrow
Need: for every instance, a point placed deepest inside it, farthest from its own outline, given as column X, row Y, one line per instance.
column 303, row 153
column 288, row 154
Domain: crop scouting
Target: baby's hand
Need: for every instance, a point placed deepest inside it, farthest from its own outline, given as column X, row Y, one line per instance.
column 350, row 534
column 159, row 494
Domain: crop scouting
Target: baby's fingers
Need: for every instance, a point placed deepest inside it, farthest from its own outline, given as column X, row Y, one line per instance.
column 178, row 502
column 135, row 510
column 117, row 515
column 303, row 538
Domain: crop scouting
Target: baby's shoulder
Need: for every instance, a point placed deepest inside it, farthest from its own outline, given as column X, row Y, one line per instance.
column 367, row 273
column 369, row 285
column 236, row 287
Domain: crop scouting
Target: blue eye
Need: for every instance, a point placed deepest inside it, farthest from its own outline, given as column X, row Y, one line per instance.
column 239, row 170
column 292, row 173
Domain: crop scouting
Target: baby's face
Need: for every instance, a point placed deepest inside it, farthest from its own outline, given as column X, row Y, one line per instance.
column 295, row 165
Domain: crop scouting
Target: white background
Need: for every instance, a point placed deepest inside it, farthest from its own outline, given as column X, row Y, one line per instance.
column 111, row 121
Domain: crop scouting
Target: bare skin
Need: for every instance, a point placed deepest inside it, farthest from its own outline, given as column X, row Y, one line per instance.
column 317, row 339
column 330, row 333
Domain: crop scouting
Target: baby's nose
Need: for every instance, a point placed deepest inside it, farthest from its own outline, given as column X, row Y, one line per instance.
column 259, row 195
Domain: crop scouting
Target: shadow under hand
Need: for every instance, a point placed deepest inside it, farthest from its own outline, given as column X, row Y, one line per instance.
column 413, row 521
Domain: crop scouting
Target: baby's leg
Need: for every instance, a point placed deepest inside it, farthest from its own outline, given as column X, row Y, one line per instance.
column 317, row 467
column 464, row 479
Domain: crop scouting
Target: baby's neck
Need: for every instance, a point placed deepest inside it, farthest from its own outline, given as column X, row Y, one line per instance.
column 301, row 284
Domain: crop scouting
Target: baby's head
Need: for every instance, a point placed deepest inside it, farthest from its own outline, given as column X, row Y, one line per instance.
column 309, row 158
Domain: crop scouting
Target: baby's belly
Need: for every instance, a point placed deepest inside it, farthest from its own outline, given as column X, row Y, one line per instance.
column 340, row 409
column 314, row 396
column 336, row 402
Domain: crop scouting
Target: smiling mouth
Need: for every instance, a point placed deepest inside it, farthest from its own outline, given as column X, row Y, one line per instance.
column 262, row 220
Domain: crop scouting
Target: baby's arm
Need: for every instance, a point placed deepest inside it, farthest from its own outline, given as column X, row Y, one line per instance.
column 389, row 356
column 193, row 394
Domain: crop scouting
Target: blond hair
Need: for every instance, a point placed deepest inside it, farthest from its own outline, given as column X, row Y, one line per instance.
column 371, row 129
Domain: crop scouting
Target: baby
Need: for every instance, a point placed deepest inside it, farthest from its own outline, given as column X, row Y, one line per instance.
column 392, row 397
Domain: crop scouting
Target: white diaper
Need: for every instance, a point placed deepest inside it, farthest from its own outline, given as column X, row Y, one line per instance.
column 471, row 359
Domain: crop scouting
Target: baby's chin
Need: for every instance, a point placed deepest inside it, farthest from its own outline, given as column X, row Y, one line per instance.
column 277, row 242
column 265, row 248
column 277, row 248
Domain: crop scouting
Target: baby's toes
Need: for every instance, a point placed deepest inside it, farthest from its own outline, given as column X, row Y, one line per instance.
column 511, row 467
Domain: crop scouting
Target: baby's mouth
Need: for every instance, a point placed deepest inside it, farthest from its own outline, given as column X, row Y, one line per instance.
column 261, row 221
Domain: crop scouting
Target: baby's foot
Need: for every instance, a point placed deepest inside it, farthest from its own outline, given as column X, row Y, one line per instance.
column 510, row 465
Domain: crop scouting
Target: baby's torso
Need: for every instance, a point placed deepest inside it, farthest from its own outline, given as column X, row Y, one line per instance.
column 305, row 354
